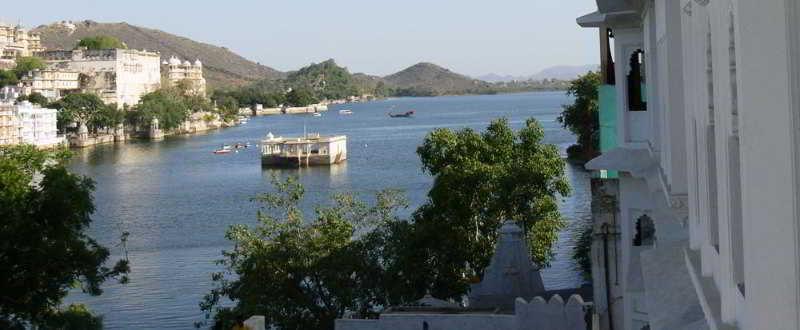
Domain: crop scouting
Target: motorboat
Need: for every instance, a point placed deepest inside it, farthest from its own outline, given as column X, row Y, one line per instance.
column 317, row 114
column 225, row 149
column 406, row 114
column 345, row 112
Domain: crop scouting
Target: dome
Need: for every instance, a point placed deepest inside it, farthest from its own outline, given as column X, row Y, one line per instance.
column 165, row 62
column 187, row 63
column 198, row 63
column 174, row 61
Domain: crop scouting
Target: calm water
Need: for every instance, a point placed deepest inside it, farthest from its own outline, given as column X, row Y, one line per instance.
column 177, row 199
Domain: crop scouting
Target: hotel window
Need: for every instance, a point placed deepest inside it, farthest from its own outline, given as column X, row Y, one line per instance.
column 734, row 168
column 645, row 231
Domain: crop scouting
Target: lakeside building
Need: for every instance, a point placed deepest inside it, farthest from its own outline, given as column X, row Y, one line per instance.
column 37, row 125
column 9, row 125
column 176, row 72
column 310, row 150
column 51, row 83
column 120, row 76
column 696, row 201
column 16, row 41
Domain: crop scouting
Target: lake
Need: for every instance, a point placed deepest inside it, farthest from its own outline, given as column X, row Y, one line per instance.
column 176, row 198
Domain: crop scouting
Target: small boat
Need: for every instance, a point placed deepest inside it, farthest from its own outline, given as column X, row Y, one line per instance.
column 345, row 112
column 225, row 149
column 406, row 114
column 317, row 114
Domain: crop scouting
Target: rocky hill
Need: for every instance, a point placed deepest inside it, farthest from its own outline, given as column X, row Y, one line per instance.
column 222, row 66
column 431, row 79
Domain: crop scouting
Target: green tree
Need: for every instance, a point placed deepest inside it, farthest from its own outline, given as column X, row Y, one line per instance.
column 101, row 42
column 480, row 181
column 44, row 250
column 169, row 105
column 582, row 117
column 304, row 273
column 82, row 108
column 8, row 78
column 28, row 64
column 35, row 98
column 300, row 97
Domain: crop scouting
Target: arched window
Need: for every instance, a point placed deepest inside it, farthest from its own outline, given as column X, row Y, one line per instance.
column 425, row 325
column 645, row 231
column 636, row 79
column 734, row 168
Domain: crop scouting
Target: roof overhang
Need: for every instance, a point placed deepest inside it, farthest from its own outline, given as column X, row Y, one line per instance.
column 638, row 162
column 625, row 18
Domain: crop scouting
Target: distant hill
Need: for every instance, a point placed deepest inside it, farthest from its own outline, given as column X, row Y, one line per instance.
column 561, row 72
column 222, row 66
column 565, row 72
column 431, row 79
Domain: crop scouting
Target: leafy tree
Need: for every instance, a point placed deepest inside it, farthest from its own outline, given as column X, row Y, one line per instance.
column 167, row 104
column 228, row 107
column 8, row 78
column 28, row 64
column 480, row 181
column 300, row 97
column 35, row 98
column 44, row 250
column 101, row 42
column 583, row 117
column 83, row 108
column 304, row 273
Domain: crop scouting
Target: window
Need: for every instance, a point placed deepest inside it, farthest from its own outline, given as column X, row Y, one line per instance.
column 645, row 231
column 636, row 80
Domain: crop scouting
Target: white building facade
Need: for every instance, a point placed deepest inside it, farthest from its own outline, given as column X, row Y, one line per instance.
column 120, row 76
column 701, row 106
column 37, row 125
column 177, row 72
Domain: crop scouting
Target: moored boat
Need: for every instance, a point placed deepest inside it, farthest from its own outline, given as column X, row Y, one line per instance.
column 406, row 114
column 345, row 112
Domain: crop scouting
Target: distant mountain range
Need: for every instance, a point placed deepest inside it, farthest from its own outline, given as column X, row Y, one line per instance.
column 561, row 72
column 225, row 69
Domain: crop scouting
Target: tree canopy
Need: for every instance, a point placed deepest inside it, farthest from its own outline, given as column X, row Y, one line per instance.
column 83, row 108
column 582, row 117
column 28, row 64
column 44, row 250
column 101, row 42
column 303, row 273
column 35, row 98
column 300, row 97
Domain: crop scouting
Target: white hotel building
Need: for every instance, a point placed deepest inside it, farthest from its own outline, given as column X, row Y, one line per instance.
column 697, row 201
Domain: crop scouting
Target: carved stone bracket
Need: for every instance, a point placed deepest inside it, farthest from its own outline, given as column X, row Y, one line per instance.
column 687, row 9
column 680, row 207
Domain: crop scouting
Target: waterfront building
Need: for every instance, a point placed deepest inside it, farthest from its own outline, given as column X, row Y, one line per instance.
column 176, row 72
column 310, row 150
column 37, row 125
column 51, row 83
column 15, row 41
column 10, row 93
column 120, row 76
column 9, row 125
column 695, row 204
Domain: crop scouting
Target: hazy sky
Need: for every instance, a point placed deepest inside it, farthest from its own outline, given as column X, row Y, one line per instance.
column 378, row 37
